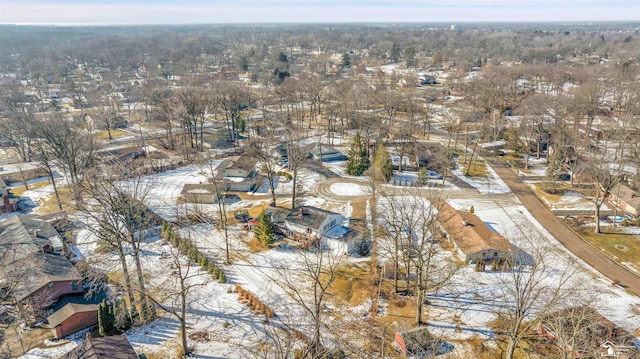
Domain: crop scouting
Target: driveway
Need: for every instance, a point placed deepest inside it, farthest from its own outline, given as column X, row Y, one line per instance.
column 564, row 235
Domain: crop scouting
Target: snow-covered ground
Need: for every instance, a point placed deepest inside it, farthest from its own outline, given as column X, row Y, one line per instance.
column 349, row 189
column 490, row 184
column 537, row 168
column 477, row 292
column 568, row 200
column 462, row 310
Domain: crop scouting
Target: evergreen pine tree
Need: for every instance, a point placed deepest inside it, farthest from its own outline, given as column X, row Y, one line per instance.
column 102, row 318
column 264, row 229
column 358, row 160
column 382, row 165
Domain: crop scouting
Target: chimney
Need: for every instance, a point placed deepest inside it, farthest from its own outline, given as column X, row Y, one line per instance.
column 300, row 213
column 7, row 205
column 88, row 335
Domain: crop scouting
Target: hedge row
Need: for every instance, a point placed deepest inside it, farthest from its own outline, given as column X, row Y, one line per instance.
column 188, row 248
column 254, row 303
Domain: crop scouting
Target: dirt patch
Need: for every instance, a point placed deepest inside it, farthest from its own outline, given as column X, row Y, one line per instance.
column 352, row 285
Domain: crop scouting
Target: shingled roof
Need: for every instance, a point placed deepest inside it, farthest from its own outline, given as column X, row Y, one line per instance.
column 114, row 347
column 310, row 217
column 468, row 231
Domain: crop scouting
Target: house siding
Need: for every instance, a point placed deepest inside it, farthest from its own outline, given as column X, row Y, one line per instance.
column 320, row 231
column 57, row 290
column 75, row 323
column 235, row 172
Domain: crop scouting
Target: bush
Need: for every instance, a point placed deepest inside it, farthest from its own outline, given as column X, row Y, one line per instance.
column 286, row 175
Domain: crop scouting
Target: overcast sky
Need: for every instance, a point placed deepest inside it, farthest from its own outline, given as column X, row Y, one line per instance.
column 270, row 11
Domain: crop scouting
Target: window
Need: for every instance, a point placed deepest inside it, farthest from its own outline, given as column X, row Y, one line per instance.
column 484, row 254
column 50, row 284
column 495, row 254
column 74, row 286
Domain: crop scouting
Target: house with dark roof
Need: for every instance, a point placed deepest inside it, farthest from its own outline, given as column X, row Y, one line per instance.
column 311, row 221
column 277, row 216
column 473, row 239
column 39, row 273
column 114, row 347
column 73, row 313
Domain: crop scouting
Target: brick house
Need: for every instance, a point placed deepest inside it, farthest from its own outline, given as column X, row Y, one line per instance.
column 39, row 272
column 625, row 198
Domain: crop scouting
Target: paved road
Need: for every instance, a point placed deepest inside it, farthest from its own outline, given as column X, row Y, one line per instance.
column 562, row 233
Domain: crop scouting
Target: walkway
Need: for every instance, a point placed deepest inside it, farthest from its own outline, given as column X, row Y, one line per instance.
column 572, row 241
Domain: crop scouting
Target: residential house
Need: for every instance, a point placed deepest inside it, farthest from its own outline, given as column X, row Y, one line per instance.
column 8, row 203
column 473, row 238
column 277, row 216
column 238, row 166
column 311, row 222
column 205, row 194
column 245, row 184
column 114, row 347
column 325, row 153
column 41, row 274
column 625, row 198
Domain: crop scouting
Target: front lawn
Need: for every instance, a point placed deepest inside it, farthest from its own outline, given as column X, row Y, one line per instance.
column 623, row 247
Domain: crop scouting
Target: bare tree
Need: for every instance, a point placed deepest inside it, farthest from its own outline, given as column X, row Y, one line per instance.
column 196, row 105
column 219, row 188
column 229, row 98
column 122, row 222
column 411, row 223
column 44, row 155
column 318, row 272
column 107, row 105
column 18, row 125
column 73, row 150
column 604, row 167
column 263, row 150
column 526, row 293
column 173, row 296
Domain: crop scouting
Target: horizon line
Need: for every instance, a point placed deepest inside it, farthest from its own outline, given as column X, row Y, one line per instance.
column 452, row 22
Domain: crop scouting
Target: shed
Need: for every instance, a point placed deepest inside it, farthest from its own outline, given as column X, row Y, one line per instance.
column 72, row 318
